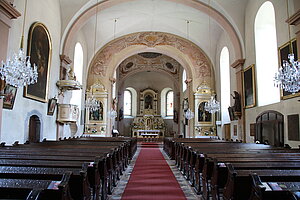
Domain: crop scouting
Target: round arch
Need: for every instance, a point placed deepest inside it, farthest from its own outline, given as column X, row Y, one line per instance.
column 86, row 14
column 190, row 56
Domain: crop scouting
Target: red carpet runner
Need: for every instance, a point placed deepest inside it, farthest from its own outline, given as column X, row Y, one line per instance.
column 152, row 178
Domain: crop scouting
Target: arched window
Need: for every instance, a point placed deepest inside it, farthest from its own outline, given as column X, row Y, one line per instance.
column 78, row 68
column 127, row 103
column 183, row 80
column 170, row 103
column 225, row 84
column 266, row 54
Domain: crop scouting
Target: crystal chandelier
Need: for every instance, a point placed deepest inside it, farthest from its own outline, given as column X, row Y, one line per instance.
column 288, row 75
column 17, row 71
column 212, row 105
column 189, row 114
column 92, row 104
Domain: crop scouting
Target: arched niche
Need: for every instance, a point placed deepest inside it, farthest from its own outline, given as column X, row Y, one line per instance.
column 269, row 128
column 34, row 129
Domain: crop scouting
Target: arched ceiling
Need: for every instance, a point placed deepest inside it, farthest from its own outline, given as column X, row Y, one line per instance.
column 154, row 15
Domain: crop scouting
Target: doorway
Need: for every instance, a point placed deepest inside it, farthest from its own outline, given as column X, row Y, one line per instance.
column 34, row 129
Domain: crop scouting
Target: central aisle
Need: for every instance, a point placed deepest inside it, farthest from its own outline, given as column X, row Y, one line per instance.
column 152, row 178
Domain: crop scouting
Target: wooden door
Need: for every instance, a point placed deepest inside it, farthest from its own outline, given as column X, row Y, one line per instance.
column 227, row 131
column 34, row 129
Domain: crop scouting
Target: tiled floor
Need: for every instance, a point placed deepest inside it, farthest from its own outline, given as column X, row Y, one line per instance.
column 187, row 189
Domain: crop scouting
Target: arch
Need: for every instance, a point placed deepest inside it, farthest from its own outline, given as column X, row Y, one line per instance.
column 266, row 54
column 170, row 103
column 183, row 51
column 133, row 101
column 184, row 87
column 225, row 84
column 34, row 129
column 270, row 128
column 78, row 70
column 84, row 15
column 163, row 101
column 27, row 121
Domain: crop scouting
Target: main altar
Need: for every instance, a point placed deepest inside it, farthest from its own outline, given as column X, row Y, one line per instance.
column 148, row 124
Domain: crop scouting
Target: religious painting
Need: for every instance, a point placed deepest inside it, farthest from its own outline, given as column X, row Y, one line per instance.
column 249, row 87
column 39, row 50
column 148, row 101
column 51, row 106
column 283, row 52
column 203, row 115
column 97, row 115
column 10, row 96
column 252, row 129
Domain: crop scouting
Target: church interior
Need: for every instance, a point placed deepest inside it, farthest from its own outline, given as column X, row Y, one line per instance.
column 206, row 91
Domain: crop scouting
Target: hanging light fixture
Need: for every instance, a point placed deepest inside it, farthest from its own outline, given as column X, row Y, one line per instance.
column 212, row 105
column 92, row 103
column 288, row 75
column 17, row 70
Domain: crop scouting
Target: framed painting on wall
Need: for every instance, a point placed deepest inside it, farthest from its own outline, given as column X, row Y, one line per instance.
column 249, row 87
column 10, row 96
column 39, row 49
column 51, row 106
column 283, row 52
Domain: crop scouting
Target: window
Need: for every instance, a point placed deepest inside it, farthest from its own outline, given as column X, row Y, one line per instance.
column 78, row 68
column 225, row 85
column 183, row 80
column 127, row 102
column 266, row 54
column 169, row 103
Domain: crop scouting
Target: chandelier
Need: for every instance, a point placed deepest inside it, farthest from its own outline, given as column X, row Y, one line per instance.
column 189, row 114
column 212, row 105
column 288, row 75
column 17, row 71
column 92, row 104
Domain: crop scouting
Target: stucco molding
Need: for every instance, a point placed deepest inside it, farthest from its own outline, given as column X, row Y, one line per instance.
column 200, row 62
column 8, row 10
column 294, row 19
column 137, row 63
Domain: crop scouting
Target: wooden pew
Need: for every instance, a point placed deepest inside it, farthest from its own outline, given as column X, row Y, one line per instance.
column 238, row 185
column 275, row 190
column 35, row 189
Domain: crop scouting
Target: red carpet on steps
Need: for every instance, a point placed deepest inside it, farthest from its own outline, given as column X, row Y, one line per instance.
column 152, row 178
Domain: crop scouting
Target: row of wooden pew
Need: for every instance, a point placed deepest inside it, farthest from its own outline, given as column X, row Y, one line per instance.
column 230, row 170
column 70, row 169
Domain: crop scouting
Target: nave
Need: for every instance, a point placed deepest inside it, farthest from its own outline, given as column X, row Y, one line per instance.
column 90, row 168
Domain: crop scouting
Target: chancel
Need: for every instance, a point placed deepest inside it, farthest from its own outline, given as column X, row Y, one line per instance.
column 101, row 97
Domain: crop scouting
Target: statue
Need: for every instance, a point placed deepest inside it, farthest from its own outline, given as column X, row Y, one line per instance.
column 114, row 103
column 237, row 102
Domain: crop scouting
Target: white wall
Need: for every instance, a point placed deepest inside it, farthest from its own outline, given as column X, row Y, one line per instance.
column 15, row 122
column 286, row 107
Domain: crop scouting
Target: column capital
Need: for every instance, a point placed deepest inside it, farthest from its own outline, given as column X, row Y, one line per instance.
column 294, row 19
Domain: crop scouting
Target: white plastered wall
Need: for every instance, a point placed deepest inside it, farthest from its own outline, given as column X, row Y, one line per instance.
column 224, row 41
column 15, row 122
column 286, row 107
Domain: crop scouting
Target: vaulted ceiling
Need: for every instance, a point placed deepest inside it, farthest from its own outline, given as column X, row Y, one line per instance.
column 155, row 15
